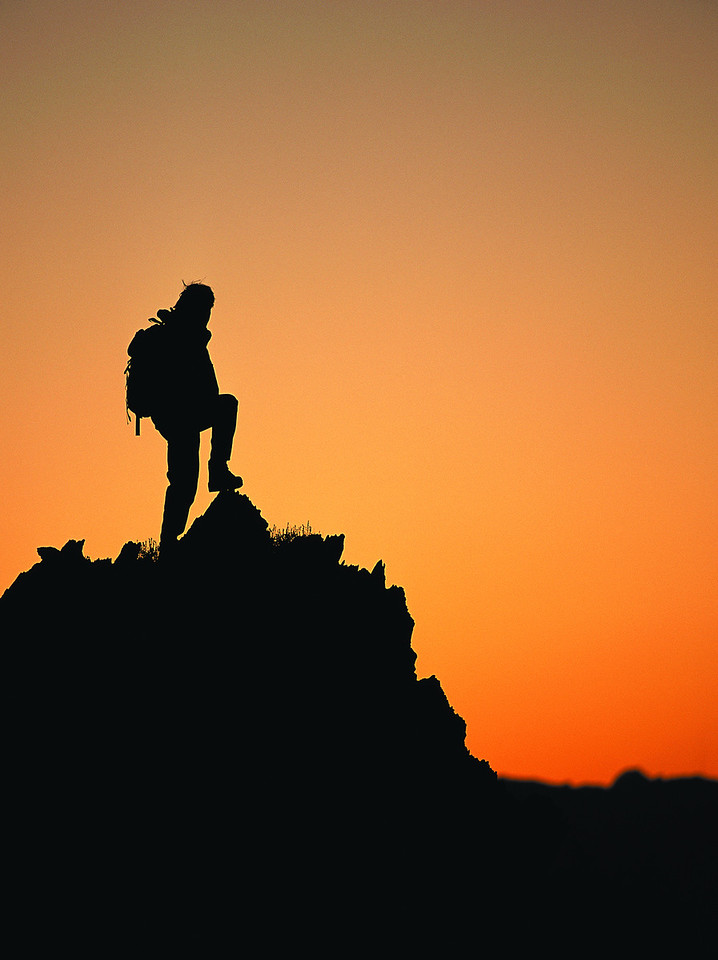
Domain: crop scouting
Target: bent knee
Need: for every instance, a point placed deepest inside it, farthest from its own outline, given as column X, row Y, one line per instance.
column 227, row 406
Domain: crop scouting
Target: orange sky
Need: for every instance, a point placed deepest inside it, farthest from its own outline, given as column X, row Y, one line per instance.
column 464, row 259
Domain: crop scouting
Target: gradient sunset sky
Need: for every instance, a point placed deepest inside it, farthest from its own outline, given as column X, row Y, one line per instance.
column 464, row 257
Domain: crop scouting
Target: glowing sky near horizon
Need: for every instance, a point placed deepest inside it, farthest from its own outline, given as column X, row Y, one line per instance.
column 464, row 259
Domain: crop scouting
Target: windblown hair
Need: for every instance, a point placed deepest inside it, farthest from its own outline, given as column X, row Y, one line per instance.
column 195, row 295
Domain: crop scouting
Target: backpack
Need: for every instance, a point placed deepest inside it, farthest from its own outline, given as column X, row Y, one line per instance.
column 143, row 373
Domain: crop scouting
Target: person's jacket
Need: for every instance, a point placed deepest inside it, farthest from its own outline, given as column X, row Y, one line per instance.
column 188, row 383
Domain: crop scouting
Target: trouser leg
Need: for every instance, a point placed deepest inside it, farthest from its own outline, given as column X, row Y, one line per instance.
column 223, row 420
column 183, row 474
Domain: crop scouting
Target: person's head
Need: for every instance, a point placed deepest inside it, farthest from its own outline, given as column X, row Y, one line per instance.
column 195, row 302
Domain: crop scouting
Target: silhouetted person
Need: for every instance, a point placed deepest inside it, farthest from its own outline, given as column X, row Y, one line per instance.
column 189, row 402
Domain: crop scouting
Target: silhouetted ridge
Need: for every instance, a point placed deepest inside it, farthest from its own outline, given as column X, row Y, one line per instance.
column 258, row 691
column 245, row 711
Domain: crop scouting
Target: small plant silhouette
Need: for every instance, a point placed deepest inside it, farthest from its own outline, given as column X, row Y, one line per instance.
column 149, row 550
column 290, row 532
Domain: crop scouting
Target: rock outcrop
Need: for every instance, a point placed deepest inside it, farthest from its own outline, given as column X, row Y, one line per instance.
column 248, row 704
column 239, row 728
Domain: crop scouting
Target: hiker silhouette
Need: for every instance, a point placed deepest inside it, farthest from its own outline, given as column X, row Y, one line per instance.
column 188, row 401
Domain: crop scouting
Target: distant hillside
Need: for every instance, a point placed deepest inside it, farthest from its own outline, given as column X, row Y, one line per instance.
column 242, row 725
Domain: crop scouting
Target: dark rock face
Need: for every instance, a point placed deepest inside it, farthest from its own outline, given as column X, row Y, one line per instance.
column 239, row 728
column 245, row 704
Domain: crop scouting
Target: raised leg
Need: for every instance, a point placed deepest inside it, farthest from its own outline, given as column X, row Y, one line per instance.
column 223, row 423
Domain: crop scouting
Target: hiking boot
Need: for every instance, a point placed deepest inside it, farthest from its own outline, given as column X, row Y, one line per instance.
column 222, row 478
